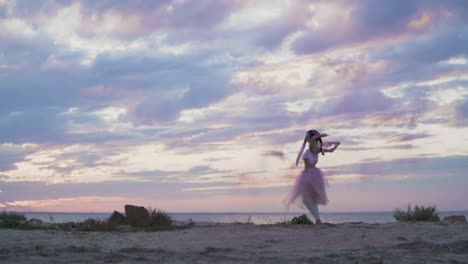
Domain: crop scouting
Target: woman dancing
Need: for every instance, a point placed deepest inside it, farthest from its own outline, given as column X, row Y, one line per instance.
column 310, row 184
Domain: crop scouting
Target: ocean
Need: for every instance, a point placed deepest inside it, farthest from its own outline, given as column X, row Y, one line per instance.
column 256, row 218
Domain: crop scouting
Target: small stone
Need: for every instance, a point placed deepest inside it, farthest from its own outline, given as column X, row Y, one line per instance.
column 402, row 238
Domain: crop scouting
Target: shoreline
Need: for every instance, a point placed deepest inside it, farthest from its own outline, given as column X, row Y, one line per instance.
column 399, row 242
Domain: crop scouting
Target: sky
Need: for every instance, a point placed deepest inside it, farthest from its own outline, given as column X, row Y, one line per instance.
column 202, row 106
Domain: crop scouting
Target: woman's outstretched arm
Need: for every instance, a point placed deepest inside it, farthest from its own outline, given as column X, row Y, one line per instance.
column 335, row 146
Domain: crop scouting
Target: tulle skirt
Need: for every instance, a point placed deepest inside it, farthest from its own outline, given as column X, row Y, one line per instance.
column 310, row 186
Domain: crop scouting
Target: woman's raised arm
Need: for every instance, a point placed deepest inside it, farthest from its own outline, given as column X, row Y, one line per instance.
column 335, row 145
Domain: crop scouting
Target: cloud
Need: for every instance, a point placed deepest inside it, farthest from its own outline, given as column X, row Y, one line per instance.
column 13, row 191
column 439, row 45
column 275, row 153
column 364, row 21
column 409, row 137
column 152, row 88
column 361, row 102
column 10, row 154
column 138, row 19
column 460, row 117
column 177, row 175
column 195, row 90
column 99, row 87
column 271, row 33
column 359, row 21
column 408, row 168
column 34, row 125
column 398, row 146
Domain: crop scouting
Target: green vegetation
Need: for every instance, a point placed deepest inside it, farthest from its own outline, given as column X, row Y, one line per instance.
column 95, row 225
column 159, row 220
column 103, row 226
column 11, row 220
column 301, row 220
column 418, row 213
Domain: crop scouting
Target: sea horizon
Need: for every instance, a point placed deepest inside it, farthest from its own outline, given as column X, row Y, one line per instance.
column 242, row 217
column 234, row 212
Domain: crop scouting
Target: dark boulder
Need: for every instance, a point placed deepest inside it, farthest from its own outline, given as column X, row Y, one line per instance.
column 455, row 219
column 117, row 219
column 137, row 216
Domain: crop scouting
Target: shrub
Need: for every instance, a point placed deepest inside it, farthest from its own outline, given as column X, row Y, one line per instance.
column 284, row 222
column 11, row 220
column 97, row 225
column 418, row 213
column 93, row 225
column 301, row 220
column 159, row 220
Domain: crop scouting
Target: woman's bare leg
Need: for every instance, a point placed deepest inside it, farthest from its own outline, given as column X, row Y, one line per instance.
column 313, row 208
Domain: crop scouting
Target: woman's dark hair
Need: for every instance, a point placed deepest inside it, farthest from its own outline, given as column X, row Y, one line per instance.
column 313, row 132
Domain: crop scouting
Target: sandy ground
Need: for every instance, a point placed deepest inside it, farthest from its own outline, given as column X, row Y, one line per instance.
column 245, row 243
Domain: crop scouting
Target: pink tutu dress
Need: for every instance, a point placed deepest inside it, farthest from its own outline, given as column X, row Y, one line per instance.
column 310, row 185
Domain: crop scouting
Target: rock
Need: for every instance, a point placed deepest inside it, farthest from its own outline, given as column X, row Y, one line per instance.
column 455, row 219
column 117, row 219
column 35, row 222
column 68, row 226
column 402, row 238
column 89, row 221
column 137, row 216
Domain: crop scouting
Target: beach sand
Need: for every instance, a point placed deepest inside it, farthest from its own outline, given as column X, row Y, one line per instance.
column 418, row 242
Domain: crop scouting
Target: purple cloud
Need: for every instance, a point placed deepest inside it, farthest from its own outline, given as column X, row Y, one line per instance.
column 120, row 76
column 399, row 146
column 451, row 166
column 362, row 102
column 10, row 154
column 13, row 191
column 460, row 117
column 368, row 20
column 177, row 175
column 409, row 137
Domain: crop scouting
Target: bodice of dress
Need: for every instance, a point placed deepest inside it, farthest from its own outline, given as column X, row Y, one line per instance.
column 313, row 158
